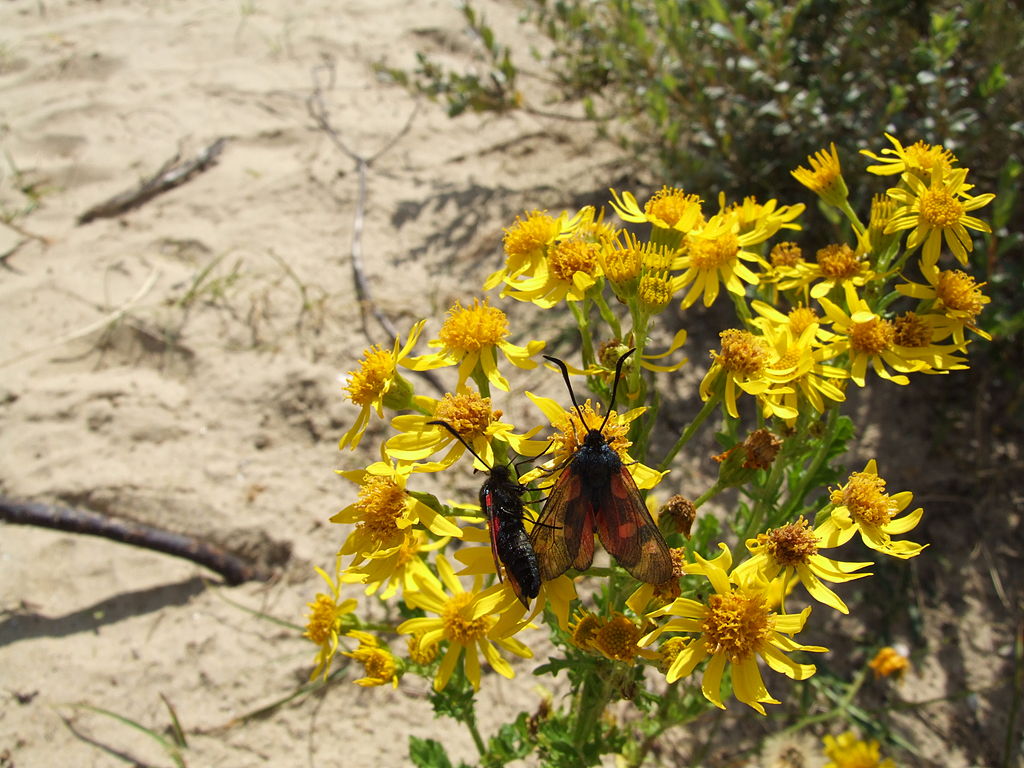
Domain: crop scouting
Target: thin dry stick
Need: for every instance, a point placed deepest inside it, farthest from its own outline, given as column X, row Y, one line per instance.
column 170, row 175
column 113, row 317
column 318, row 111
column 232, row 567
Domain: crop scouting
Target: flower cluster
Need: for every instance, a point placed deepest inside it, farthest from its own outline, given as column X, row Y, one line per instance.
column 807, row 325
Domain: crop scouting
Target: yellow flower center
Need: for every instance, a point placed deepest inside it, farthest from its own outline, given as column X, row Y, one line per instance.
column 712, row 253
column 470, row 329
column 786, row 255
column 572, row 433
column 655, row 290
column 958, row 291
column 378, row 664
column 585, row 630
column 526, row 237
column 911, row 331
column 737, row 624
column 381, row 502
column 872, row 337
column 925, row 156
column 838, row 261
column 467, row 412
column 800, row 318
column 791, row 544
column 571, row 256
column 323, row 619
column 457, row 627
column 940, row 209
column 375, row 370
column 419, row 653
column 742, row 352
column 617, row 639
column 864, row 495
column 674, row 207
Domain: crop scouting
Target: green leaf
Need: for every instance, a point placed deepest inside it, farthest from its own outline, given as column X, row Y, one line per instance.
column 428, row 753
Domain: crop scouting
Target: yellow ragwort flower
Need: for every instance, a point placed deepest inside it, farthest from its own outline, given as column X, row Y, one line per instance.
column 862, row 506
column 470, row 338
column 749, row 364
column 792, row 550
column 617, row 639
column 847, row 751
column 825, row 177
column 669, row 209
column 377, row 384
column 735, row 626
column 323, row 623
column 465, row 621
column 526, row 243
column 955, row 295
column 713, row 255
column 389, row 570
column 938, row 211
column 867, row 338
column 836, row 264
column 379, row 664
column 919, row 158
column 466, row 411
column 384, row 512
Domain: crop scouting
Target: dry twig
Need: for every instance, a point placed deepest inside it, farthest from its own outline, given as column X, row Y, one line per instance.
column 171, row 174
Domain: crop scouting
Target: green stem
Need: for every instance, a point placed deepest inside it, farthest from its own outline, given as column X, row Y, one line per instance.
column 824, row 446
column 607, row 315
column 475, row 733
column 710, row 493
column 684, row 438
column 593, row 697
column 579, row 314
column 850, row 214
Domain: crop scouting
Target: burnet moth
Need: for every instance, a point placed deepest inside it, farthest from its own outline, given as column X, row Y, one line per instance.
column 501, row 499
column 595, row 492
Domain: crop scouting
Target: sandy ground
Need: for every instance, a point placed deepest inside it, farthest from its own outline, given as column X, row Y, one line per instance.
column 212, row 406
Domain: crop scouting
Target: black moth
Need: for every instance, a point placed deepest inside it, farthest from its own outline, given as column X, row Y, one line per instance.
column 501, row 499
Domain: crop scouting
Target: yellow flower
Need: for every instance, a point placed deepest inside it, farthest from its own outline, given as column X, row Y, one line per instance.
column 915, row 339
column 919, row 158
column 571, row 433
column 956, row 295
column 867, row 338
column 469, row 414
column 715, row 253
column 847, row 751
column 809, row 380
column 747, row 363
column 377, row 382
column 781, row 553
column 384, row 511
column 526, row 243
column 763, row 221
column 824, row 178
column 659, row 594
column 378, row 663
column 734, row 627
column 324, row 622
column 465, row 621
column 470, row 338
column 617, row 638
column 862, row 506
column 835, row 265
column 669, row 209
column 395, row 567
column 888, row 661
column 571, row 269
column 938, row 210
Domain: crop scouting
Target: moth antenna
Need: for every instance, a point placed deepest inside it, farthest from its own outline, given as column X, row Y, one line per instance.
column 565, row 376
column 615, row 386
column 459, row 437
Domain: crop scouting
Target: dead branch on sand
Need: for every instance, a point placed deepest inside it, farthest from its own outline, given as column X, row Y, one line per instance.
column 171, row 174
column 318, row 111
column 234, row 568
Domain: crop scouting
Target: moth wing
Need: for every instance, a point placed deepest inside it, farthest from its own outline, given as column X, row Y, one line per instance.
column 556, row 534
column 628, row 531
